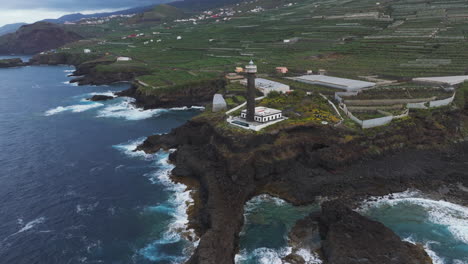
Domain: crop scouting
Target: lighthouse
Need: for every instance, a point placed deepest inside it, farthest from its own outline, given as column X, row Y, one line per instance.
column 251, row 70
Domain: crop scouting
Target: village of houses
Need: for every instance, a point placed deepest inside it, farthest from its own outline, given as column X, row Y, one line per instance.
column 371, row 102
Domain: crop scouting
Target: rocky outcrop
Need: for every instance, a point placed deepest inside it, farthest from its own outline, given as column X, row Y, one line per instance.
column 95, row 77
column 192, row 94
column 349, row 238
column 297, row 164
column 62, row 58
column 35, row 38
column 98, row 98
column 89, row 67
column 9, row 63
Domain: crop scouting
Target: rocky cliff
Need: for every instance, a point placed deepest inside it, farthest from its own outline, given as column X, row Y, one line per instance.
column 192, row 94
column 299, row 164
column 350, row 238
column 35, row 38
column 92, row 69
column 8, row 63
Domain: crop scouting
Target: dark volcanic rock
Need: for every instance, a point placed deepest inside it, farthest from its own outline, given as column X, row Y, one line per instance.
column 98, row 97
column 297, row 164
column 193, row 94
column 35, row 38
column 350, row 238
column 9, row 63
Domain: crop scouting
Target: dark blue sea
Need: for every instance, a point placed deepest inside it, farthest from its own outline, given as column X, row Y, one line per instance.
column 73, row 191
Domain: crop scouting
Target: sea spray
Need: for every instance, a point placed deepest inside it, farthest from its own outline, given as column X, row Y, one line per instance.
column 440, row 226
column 73, row 108
column 125, row 109
column 176, row 206
column 268, row 221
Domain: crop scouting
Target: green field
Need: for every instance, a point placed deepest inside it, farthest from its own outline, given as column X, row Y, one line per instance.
column 401, row 41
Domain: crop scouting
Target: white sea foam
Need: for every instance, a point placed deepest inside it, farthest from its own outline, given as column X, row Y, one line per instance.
column 180, row 199
column 253, row 203
column 30, row 225
column 87, row 208
column 263, row 255
column 427, row 247
column 108, row 93
column 129, row 147
column 184, row 108
column 126, row 110
column 73, row 108
column 176, row 206
column 454, row 216
column 70, row 83
column 309, row 258
column 68, row 71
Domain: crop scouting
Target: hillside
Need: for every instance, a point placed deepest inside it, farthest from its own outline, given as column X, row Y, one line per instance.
column 78, row 16
column 35, row 38
column 10, row 28
column 158, row 13
column 203, row 4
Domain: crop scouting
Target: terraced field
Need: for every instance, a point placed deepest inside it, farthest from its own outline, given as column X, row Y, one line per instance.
column 401, row 39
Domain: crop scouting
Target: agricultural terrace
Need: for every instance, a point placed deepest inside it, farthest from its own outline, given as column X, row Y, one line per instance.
column 322, row 35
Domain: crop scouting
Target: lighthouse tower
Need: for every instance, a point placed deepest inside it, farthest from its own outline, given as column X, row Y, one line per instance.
column 251, row 70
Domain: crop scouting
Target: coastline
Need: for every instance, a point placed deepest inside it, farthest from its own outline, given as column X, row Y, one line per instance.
column 351, row 183
column 228, row 178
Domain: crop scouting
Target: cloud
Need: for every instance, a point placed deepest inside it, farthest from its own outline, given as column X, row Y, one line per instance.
column 32, row 11
column 74, row 5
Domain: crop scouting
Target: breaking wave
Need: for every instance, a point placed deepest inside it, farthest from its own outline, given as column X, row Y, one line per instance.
column 70, row 83
column 126, row 110
column 454, row 216
column 73, row 108
column 440, row 226
column 263, row 256
column 129, row 148
column 175, row 206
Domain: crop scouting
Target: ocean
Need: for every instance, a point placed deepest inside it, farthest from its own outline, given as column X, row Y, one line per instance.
column 73, row 191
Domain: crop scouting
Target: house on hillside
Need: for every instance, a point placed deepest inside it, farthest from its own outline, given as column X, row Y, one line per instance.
column 87, row 51
column 282, row 70
column 124, row 59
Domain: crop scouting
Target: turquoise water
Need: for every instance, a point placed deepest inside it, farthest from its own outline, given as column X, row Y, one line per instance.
column 440, row 226
column 268, row 221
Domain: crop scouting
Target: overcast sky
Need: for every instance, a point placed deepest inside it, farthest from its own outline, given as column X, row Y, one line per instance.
column 14, row 11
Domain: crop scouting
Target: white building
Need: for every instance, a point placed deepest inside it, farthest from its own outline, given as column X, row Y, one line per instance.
column 264, row 114
column 86, row 51
column 124, row 59
column 451, row 80
column 334, row 82
column 268, row 86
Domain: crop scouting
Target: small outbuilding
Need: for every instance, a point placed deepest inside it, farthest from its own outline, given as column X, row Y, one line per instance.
column 282, row 70
column 219, row 104
column 124, row 59
column 87, row 51
column 239, row 69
